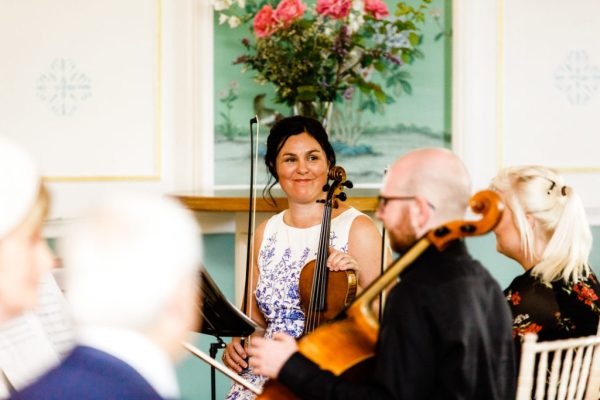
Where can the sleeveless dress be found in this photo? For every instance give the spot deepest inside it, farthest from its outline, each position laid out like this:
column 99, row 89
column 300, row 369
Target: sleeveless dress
column 283, row 252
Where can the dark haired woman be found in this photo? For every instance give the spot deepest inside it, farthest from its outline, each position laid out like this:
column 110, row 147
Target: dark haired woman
column 298, row 157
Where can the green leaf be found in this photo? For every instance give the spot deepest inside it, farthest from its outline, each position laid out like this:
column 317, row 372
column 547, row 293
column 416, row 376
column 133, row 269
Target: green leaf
column 414, row 39
column 379, row 95
column 371, row 106
column 406, row 86
column 438, row 36
column 379, row 66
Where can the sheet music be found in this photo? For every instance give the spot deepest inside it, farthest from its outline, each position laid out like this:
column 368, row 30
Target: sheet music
column 35, row 342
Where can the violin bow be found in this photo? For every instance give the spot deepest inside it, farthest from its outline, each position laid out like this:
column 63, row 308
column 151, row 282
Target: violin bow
column 251, row 212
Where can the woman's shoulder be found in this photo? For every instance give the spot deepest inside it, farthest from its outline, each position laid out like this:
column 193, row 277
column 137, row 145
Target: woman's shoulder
column 348, row 214
column 524, row 282
column 528, row 291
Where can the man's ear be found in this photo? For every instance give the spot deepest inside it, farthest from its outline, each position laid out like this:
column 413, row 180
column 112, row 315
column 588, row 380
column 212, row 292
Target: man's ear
column 423, row 211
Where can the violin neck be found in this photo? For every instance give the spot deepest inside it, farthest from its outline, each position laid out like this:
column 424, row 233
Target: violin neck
column 319, row 287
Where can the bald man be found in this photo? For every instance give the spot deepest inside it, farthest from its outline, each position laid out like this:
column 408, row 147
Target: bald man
column 446, row 329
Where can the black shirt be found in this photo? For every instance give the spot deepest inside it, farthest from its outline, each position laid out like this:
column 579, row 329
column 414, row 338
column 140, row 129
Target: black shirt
column 445, row 333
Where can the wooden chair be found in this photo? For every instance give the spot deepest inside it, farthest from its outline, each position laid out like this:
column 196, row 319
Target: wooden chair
column 574, row 371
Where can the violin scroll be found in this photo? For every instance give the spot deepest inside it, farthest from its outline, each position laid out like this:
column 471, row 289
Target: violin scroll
column 337, row 173
column 487, row 203
column 335, row 190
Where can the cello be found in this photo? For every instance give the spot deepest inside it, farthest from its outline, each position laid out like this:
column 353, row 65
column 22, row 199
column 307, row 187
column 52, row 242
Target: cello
column 324, row 293
column 356, row 328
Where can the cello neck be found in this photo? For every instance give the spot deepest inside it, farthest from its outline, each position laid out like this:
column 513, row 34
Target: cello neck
column 486, row 202
column 363, row 304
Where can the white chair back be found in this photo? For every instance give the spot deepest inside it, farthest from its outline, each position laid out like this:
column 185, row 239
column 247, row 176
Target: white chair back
column 574, row 371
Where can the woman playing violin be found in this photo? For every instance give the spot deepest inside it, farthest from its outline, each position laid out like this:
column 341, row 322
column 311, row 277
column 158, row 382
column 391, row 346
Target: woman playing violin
column 298, row 157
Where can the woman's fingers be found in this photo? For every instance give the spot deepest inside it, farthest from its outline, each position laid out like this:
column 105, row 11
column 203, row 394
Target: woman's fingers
column 269, row 355
column 234, row 356
column 340, row 261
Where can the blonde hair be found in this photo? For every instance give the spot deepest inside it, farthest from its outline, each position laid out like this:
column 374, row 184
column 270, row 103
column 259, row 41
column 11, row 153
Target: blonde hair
column 541, row 193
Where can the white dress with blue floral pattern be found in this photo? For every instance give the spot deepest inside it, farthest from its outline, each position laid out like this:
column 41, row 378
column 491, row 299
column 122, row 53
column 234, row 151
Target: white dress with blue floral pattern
column 283, row 252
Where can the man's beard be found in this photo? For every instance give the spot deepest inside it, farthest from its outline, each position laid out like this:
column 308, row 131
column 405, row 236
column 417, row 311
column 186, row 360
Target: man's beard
column 404, row 241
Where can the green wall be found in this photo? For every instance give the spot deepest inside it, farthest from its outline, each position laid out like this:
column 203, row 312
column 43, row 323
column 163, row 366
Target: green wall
column 194, row 375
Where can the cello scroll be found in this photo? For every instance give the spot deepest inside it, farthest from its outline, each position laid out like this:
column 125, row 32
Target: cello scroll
column 487, row 203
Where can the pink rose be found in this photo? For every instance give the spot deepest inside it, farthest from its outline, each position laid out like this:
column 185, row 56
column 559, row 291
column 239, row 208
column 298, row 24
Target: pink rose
column 264, row 23
column 376, row 8
column 337, row 9
column 289, row 10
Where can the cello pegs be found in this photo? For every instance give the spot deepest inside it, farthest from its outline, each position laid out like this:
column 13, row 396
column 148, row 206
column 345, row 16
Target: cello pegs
column 342, row 196
column 325, row 187
column 349, row 184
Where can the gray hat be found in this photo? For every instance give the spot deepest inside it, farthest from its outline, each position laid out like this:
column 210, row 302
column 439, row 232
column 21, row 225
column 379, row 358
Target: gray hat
column 19, row 185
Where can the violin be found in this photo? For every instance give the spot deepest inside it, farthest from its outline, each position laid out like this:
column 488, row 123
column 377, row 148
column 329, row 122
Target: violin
column 348, row 342
column 324, row 293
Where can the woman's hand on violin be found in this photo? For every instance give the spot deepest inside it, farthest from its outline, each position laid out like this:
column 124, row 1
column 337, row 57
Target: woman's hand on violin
column 340, row 261
column 267, row 357
column 234, row 355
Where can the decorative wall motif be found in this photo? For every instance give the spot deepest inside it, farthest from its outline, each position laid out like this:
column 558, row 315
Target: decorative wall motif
column 63, row 87
column 85, row 100
column 549, row 80
column 578, row 77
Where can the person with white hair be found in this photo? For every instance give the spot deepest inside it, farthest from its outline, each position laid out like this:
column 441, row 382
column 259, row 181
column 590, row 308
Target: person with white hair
column 544, row 228
column 132, row 269
column 24, row 254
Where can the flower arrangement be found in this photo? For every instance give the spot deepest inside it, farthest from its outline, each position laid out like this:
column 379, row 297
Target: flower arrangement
column 326, row 51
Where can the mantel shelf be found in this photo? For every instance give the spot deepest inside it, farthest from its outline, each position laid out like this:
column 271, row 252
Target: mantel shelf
column 364, row 200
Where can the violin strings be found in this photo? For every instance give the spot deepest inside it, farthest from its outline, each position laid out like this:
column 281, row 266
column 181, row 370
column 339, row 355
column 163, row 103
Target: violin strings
column 318, row 289
column 323, row 266
column 314, row 299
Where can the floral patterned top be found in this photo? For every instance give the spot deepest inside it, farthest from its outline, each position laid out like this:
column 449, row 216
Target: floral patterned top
column 283, row 252
column 556, row 311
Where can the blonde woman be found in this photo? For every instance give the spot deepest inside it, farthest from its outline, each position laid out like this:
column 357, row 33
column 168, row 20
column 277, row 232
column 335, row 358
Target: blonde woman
column 544, row 228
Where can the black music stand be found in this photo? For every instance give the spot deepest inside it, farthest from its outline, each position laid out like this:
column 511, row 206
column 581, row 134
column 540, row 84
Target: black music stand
column 220, row 318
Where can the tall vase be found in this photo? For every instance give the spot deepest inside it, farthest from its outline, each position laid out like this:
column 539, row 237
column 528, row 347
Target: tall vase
column 319, row 110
